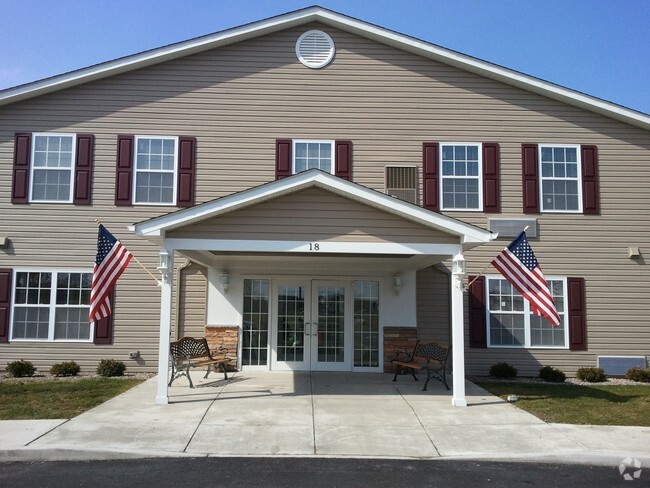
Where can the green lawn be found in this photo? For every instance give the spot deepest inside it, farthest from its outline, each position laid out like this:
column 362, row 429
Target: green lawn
column 577, row 404
column 57, row 399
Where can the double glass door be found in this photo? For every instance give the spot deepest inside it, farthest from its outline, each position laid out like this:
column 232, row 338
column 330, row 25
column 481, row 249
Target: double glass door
column 311, row 326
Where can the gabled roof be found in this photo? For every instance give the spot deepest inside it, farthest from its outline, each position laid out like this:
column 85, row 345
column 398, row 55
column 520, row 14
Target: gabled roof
column 469, row 235
column 344, row 23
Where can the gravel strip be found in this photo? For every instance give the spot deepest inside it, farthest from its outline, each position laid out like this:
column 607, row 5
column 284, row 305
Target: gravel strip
column 48, row 377
column 569, row 381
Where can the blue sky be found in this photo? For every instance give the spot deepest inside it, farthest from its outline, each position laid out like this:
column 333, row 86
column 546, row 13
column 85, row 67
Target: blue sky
column 600, row 47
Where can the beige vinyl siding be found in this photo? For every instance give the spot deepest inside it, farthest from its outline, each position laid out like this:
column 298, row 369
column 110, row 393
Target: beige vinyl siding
column 192, row 293
column 238, row 99
column 433, row 304
column 313, row 214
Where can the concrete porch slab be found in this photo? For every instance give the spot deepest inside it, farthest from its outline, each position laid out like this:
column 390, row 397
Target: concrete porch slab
column 314, row 414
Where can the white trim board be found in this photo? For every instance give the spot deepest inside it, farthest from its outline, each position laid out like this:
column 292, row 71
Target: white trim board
column 312, row 248
column 338, row 21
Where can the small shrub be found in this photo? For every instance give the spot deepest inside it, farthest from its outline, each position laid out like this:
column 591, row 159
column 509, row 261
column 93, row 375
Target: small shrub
column 21, row 368
column 591, row 375
column 503, row 371
column 638, row 374
column 111, row 367
column 552, row 375
column 66, row 368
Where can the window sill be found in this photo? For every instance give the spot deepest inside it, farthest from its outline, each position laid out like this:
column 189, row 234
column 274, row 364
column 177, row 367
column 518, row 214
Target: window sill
column 57, row 341
column 146, row 204
column 461, row 210
column 50, row 202
column 529, row 348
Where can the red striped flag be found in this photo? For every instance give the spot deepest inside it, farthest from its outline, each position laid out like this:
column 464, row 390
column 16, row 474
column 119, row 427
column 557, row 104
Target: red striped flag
column 518, row 264
column 111, row 261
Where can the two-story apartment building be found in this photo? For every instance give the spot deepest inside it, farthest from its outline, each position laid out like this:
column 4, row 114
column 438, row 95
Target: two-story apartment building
column 309, row 179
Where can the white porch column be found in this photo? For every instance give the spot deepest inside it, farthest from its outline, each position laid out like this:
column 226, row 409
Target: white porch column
column 166, row 270
column 458, row 332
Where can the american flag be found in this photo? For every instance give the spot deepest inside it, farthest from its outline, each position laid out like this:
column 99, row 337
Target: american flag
column 111, row 261
column 518, row 264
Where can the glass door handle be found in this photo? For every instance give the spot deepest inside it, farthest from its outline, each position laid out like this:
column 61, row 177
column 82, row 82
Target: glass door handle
column 315, row 329
column 307, row 330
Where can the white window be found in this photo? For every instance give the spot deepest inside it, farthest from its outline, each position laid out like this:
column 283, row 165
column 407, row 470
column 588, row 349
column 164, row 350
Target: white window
column 51, row 306
column 52, row 168
column 511, row 322
column 460, row 181
column 156, row 160
column 255, row 328
column 560, row 178
column 366, row 324
column 313, row 154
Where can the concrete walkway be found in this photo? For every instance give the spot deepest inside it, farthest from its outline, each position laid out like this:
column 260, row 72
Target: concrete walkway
column 317, row 414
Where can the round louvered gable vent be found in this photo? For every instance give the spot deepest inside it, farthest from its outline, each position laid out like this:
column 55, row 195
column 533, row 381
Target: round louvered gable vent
column 315, row 49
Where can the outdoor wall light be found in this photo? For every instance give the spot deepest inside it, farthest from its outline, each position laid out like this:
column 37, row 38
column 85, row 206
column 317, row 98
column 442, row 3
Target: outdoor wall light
column 458, row 266
column 397, row 283
column 165, row 261
column 225, row 280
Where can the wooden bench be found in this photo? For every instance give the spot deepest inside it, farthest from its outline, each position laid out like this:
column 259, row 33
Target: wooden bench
column 190, row 352
column 430, row 356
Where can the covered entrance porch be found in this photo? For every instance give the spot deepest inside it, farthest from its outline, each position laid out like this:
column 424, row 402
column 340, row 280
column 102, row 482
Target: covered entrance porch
column 309, row 271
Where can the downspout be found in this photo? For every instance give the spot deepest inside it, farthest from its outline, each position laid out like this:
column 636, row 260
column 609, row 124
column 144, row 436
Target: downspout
column 447, row 272
column 177, row 312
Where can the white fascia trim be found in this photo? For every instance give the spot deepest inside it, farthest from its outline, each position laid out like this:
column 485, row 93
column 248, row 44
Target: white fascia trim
column 349, row 24
column 157, row 55
column 487, row 69
column 467, row 233
column 324, row 247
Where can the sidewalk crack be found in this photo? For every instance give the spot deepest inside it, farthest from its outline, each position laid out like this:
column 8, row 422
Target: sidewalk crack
column 419, row 421
column 45, row 433
column 204, row 414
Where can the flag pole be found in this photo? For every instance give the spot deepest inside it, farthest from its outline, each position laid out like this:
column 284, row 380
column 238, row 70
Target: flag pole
column 485, row 269
column 137, row 261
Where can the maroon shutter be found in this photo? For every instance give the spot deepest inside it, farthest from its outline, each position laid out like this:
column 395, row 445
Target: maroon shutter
column 6, row 275
column 430, row 163
column 186, row 171
column 530, row 170
column 590, row 196
column 576, row 314
column 104, row 327
column 124, row 171
column 343, row 162
column 476, row 306
column 283, row 158
column 491, row 185
column 83, row 173
column 22, row 156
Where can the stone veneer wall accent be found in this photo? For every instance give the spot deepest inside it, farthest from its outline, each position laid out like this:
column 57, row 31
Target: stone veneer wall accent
column 223, row 341
column 403, row 338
